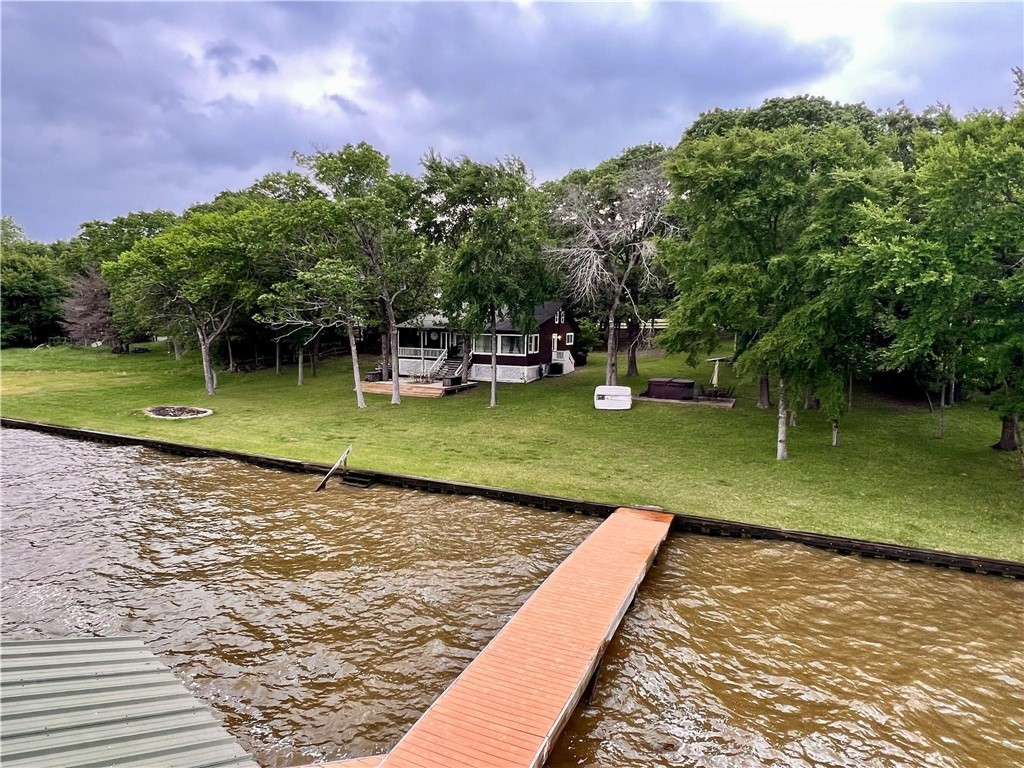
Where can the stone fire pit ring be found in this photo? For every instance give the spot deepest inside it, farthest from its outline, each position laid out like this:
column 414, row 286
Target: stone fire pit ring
column 176, row 412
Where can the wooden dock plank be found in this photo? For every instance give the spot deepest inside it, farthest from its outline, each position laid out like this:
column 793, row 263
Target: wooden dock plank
column 508, row 706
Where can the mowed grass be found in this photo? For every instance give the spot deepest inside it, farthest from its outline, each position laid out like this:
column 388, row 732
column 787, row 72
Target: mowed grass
column 891, row 480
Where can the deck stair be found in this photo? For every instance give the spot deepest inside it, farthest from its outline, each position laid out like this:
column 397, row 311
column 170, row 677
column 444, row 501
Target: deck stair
column 358, row 479
column 451, row 369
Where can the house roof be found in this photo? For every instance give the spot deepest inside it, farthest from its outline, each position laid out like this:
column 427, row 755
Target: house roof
column 541, row 314
column 426, row 321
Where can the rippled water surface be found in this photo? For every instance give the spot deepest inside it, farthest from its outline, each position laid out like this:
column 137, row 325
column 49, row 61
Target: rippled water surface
column 743, row 653
column 322, row 626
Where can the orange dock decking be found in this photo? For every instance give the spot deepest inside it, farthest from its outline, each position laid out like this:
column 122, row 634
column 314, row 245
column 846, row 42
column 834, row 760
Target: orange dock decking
column 509, row 705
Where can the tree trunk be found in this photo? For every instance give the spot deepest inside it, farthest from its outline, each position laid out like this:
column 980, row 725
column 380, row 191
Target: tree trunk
column 835, row 433
column 634, row 341
column 396, row 395
column 952, row 385
column 314, row 359
column 177, row 348
column 611, row 368
column 302, row 349
column 781, row 452
column 277, row 356
column 764, row 394
column 209, row 377
column 849, row 393
column 231, row 357
column 494, row 358
column 385, row 352
column 467, row 354
column 942, row 412
column 792, row 418
column 1008, row 437
column 360, row 401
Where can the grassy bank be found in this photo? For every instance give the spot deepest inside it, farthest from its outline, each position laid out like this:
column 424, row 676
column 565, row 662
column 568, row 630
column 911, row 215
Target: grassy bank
column 891, row 480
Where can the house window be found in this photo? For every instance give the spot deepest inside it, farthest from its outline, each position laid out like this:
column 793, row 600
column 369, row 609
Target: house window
column 482, row 344
column 533, row 343
column 559, row 317
column 511, row 345
column 569, row 339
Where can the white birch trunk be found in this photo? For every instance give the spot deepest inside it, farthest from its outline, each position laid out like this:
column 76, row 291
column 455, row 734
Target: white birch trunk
column 277, row 356
column 209, row 377
column 781, row 453
column 302, row 348
column 611, row 368
column 177, row 348
column 835, row 433
column 494, row 359
column 360, row 401
column 396, row 395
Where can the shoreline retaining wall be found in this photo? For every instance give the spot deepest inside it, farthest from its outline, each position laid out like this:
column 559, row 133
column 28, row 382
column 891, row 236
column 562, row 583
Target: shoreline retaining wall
column 685, row 523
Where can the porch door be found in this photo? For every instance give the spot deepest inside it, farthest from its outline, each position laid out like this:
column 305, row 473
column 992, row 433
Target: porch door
column 554, row 344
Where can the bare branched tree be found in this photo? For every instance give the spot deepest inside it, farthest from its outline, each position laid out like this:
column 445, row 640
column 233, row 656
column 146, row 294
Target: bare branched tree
column 88, row 316
column 610, row 242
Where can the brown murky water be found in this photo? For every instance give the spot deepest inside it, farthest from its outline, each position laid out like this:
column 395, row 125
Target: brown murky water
column 322, row 626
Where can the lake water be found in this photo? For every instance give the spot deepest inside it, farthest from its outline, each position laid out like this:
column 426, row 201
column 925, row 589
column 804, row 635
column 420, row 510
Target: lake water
column 321, row 626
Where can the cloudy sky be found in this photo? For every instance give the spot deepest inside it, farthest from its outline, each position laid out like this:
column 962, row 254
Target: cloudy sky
column 115, row 107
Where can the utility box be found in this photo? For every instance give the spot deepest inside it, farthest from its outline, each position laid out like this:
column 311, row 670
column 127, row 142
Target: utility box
column 608, row 398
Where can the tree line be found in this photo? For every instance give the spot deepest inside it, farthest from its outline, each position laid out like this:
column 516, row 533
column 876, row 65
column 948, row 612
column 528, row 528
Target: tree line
column 832, row 241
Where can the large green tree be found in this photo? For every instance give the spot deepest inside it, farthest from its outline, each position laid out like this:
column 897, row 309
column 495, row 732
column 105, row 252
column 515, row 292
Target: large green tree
column 31, row 288
column 488, row 218
column 811, row 112
column 202, row 271
column 946, row 259
column 379, row 207
column 324, row 286
column 768, row 217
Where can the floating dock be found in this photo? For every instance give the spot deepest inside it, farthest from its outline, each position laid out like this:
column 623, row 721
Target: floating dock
column 509, row 705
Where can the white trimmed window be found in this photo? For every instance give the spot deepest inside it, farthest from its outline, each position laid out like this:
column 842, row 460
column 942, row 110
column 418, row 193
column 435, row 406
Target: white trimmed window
column 569, row 339
column 511, row 345
column 533, row 343
column 482, row 344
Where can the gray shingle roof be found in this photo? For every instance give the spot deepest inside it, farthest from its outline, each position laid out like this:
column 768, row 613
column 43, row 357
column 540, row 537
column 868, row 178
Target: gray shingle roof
column 541, row 313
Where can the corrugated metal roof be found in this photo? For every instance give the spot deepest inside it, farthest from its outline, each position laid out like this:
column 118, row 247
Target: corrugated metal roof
column 103, row 701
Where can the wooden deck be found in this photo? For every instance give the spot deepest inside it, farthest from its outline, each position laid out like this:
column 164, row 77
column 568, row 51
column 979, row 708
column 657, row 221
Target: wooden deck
column 411, row 389
column 509, row 705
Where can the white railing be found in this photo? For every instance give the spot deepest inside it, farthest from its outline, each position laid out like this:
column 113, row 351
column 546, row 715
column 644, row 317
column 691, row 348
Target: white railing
column 428, row 354
column 564, row 357
column 438, row 364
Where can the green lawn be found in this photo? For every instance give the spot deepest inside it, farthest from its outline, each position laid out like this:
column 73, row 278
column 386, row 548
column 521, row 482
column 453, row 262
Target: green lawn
column 891, row 480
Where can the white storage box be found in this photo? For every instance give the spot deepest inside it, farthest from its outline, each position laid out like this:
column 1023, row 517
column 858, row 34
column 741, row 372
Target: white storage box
column 613, row 398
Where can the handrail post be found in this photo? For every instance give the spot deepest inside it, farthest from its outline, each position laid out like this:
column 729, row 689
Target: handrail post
column 341, row 461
